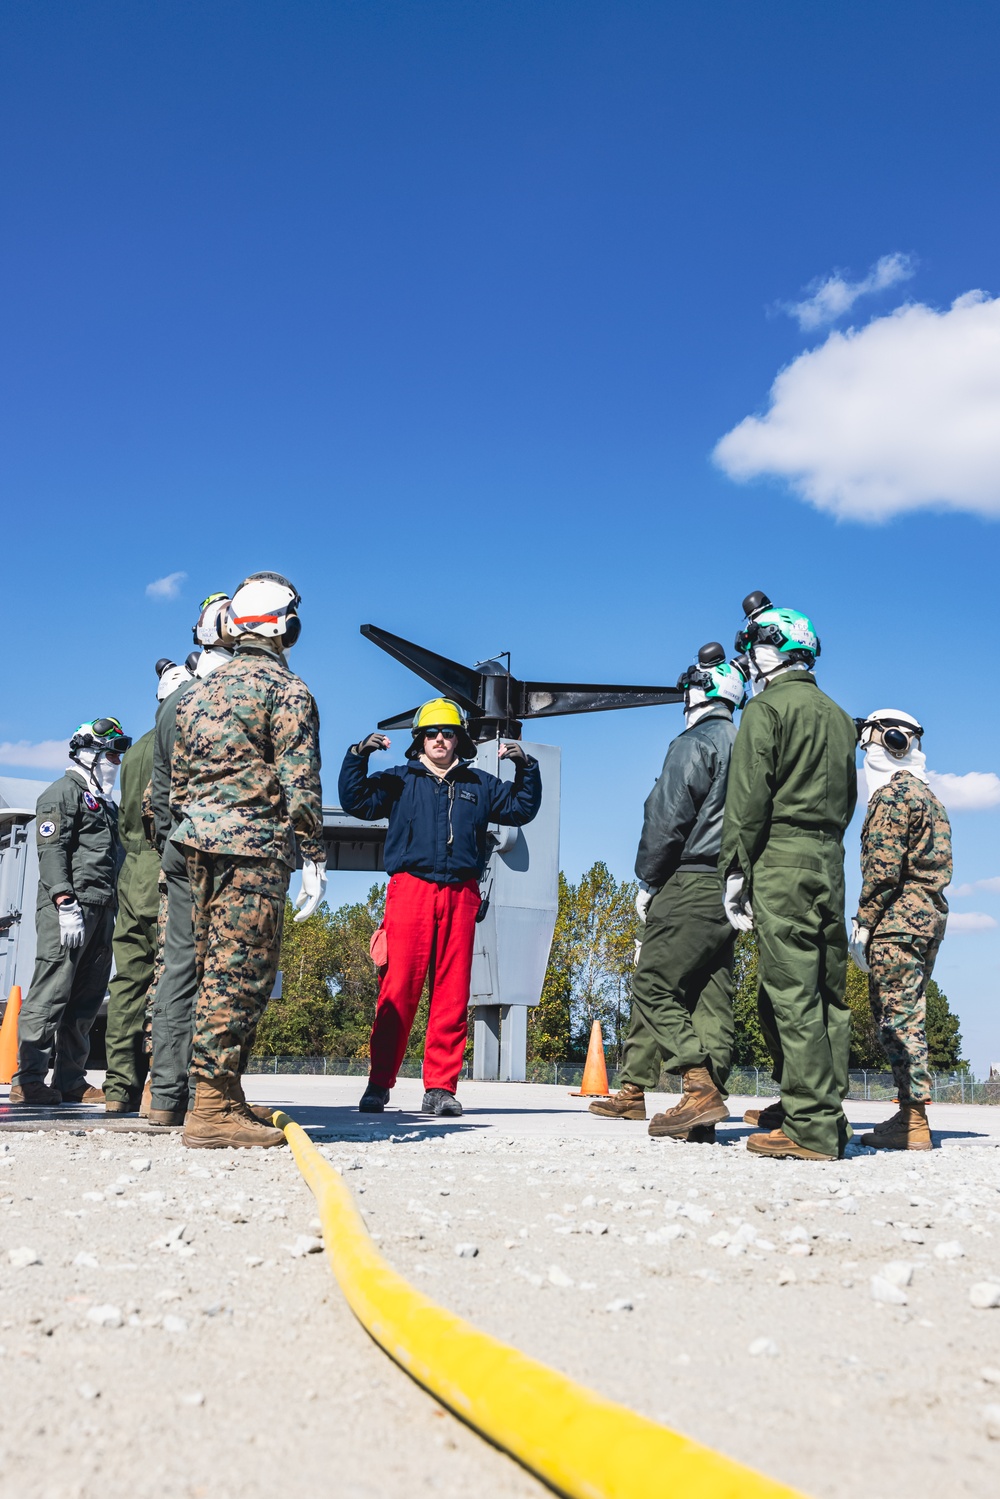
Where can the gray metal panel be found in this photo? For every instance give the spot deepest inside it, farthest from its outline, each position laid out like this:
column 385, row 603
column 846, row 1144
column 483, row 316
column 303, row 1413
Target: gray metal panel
column 522, row 883
column 18, row 882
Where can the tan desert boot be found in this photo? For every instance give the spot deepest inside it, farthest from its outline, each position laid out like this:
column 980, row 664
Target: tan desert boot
column 85, row 1095
column 628, row 1103
column 217, row 1121
column 907, row 1130
column 701, row 1104
column 146, row 1101
column 777, row 1145
column 771, row 1116
column 262, row 1112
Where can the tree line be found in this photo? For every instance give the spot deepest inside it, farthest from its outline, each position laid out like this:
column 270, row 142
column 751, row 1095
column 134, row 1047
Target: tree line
column 329, row 986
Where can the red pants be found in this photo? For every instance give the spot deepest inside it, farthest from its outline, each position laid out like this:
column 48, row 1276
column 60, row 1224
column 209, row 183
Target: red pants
column 428, row 928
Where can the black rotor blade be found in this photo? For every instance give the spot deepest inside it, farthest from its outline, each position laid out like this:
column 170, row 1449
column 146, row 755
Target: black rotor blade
column 399, row 721
column 549, row 699
column 449, row 677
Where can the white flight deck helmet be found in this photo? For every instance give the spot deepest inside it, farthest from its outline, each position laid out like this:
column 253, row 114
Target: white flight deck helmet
column 265, row 604
column 713, row 679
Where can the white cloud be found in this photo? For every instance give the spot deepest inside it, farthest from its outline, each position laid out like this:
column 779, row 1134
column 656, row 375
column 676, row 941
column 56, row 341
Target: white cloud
column 899, row 415
column 164, row 589
column 974, row 792
column 992, row 885
column 970, row 921
column 50, row 754
column 831, row 298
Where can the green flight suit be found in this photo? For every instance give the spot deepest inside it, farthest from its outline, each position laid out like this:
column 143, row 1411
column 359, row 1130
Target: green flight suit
column 134, row 943
column 76, row 834
column 792, row 791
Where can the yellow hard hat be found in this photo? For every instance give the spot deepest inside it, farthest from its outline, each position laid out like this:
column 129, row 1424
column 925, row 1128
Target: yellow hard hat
column 441, row 713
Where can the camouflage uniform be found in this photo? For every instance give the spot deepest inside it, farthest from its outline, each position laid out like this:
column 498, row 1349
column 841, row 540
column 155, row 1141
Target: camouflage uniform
column 244, row 784
column 161, row 932
column 905, row 865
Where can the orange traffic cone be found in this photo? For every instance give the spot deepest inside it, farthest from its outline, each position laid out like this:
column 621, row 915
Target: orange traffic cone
column 595, row 1072
column 8, row 1035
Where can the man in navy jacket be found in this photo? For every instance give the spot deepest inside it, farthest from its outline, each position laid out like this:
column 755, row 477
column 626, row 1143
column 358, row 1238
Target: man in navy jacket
column 436, row 849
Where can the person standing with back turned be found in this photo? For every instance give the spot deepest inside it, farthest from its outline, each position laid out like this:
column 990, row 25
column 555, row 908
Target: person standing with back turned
column 902, row 913
column 682, row 987
column 244, row 787
column 792, row 790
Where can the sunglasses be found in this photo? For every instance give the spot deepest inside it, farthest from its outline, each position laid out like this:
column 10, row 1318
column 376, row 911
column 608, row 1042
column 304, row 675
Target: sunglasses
column 444, row 733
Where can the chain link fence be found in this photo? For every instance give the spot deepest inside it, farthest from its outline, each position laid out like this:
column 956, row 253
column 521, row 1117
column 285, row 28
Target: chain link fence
column 753, row 1082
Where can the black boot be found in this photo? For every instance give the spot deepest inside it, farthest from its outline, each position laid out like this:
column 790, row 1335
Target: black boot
column 373, row 1100
column 440, row 1101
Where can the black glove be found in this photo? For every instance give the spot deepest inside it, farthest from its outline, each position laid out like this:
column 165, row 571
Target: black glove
column 515, row 753
column 369, row 745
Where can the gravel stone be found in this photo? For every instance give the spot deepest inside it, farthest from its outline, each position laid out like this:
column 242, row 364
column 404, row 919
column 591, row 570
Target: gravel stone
column 467, row 1251
column 886, row 1291
column 984, row 1294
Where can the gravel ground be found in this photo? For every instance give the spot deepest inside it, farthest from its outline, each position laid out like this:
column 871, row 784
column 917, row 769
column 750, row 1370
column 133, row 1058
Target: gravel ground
column 815, row 1321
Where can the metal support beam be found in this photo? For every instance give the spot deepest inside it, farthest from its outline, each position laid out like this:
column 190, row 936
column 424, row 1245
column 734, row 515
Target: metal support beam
column 486, row 1043
column 513, row 1043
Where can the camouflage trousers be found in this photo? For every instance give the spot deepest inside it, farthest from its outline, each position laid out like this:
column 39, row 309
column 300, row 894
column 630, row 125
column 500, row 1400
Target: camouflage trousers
column 239, row 905
column 897, row 985
column 161, row 932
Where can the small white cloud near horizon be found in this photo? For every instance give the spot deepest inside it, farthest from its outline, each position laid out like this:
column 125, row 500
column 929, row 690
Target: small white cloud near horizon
column 50, row 754
column 902, row 414
column 833, row 296
column 976, row 791
column 992, row 885
column 165, row 589
column 970, row 921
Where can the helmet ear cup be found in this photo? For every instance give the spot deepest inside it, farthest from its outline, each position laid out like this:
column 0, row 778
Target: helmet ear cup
column 292, row 631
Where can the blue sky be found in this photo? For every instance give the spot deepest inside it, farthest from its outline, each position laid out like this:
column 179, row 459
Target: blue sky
column 442, row 309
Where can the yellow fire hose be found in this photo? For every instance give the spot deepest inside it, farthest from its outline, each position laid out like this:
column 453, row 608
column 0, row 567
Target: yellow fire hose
column 580, row 1444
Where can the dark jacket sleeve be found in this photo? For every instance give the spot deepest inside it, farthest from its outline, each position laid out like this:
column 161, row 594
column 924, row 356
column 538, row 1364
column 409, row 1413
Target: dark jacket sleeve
column 513, row 803
column 671, row 810
column 365, row 796
column 58, row 805
column 163, row 752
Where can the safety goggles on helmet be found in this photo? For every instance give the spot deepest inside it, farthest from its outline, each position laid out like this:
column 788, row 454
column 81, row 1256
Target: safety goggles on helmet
column 894, row 731
column 720, row 680
column 787, row 630
column 104, row 734
column 211, row 619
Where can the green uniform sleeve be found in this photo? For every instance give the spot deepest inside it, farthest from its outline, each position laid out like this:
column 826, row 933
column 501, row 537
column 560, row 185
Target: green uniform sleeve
column 56, row 819
column 295, row 736
column 672, row 808
column 884, row 844
column 750, row 791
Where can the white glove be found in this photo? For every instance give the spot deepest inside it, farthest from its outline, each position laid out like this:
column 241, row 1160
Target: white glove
column 638, row 950
column 857, row 945
column 739, row 912
column 643, row 901
column 313, row 889
column 71, row 925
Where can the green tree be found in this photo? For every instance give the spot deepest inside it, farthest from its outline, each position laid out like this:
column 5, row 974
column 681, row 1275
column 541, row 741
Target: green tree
column 590, row 966
column 944, row 1039
column 329, row 984
column 750, row 1048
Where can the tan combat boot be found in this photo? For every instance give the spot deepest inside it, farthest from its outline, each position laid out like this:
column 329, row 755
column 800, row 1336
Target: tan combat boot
column 34, row 1093
column 262, row 1112
column 85, row 1095
column 217, row 1121
column 701, row 1104
column 628, row 1103
column 777, row 1145
column 771, row 1116
column 146, row 1101
column 907, row 1130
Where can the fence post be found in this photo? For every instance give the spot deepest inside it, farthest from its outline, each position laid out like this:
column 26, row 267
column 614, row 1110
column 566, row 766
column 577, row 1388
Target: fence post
column 555, row 1074
column 864, row 1082
column 275, row 1064
column 961, row 1084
